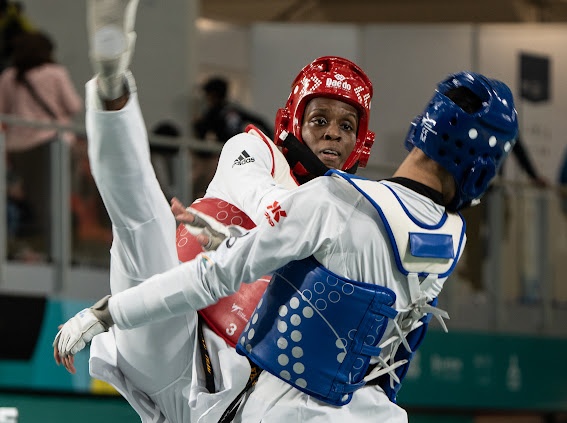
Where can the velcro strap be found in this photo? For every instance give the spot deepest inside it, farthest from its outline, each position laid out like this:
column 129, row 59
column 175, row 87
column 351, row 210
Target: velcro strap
column 426, row 245
column 348, row 388
column 371, row 350
column 386, row 310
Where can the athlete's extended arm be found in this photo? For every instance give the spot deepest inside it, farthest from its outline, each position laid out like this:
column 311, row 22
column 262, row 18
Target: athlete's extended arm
column 294, row 228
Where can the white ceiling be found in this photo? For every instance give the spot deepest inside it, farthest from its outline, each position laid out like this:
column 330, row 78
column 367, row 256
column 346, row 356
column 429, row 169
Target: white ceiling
column 385, row 11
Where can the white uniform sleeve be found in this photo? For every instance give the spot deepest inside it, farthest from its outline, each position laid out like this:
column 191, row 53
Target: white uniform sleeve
column 143, row 225
column 244, row 175
column 297, row 229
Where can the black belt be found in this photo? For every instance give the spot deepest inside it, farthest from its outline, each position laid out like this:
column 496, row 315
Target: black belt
column 206, row 359
column 255, row 370
column 230, row 412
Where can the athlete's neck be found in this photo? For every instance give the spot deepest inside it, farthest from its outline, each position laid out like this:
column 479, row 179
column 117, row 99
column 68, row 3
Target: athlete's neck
column 420, row 168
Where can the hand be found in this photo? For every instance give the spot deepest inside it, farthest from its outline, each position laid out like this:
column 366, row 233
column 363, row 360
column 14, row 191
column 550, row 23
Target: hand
column 74, row 335
column 112, row 39
column 209, row 232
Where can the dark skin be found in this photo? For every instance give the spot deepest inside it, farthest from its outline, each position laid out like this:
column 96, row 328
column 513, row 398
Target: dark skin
column 118, row 103
column 329, row 130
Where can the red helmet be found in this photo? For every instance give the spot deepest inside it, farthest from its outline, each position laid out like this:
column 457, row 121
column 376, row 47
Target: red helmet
column 337, row 78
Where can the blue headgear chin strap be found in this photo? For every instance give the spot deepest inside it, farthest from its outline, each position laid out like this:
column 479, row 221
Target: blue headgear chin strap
column 470, row 146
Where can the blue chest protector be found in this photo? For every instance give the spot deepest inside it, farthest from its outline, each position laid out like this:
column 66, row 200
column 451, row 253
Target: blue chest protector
column 318, row 331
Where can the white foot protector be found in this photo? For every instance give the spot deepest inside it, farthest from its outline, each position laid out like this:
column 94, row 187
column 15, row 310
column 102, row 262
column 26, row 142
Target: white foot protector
column 112, row 39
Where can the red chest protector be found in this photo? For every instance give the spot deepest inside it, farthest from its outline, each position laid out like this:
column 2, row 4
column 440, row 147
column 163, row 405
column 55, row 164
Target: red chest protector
column 229, row 315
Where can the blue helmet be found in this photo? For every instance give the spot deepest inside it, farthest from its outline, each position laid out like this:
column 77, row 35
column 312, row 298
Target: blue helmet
column 470, row 146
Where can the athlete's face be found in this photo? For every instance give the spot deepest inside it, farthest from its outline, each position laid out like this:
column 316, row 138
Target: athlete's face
column 329, row 129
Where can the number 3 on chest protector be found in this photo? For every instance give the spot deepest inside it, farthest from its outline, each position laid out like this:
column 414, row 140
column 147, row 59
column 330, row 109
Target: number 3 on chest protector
column 231, row 329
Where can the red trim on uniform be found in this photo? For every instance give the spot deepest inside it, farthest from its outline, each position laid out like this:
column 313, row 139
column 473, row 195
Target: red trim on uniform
column 267, row 141
column 271, row 146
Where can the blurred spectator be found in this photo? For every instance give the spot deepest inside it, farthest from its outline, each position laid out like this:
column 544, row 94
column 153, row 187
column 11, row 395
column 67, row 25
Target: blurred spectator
column 526, row 164
column 471, row 264
column 219, row 121
column 222, row 119
column 36, row 88
column 20, row 218
column 91, row 224
column 13, row 23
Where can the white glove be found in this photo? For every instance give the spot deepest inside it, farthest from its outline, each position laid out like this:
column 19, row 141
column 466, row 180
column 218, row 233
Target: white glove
column 78, row 331
column 112, row 39
column 208, row 226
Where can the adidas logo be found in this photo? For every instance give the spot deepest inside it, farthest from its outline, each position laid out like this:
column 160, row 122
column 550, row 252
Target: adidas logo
column 243, row 159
